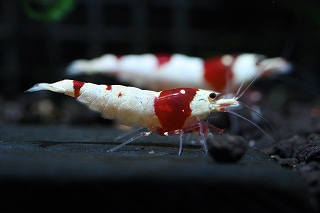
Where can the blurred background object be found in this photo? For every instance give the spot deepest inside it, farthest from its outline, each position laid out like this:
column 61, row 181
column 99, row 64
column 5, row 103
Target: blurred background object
column 47, row 10
column 37, row 48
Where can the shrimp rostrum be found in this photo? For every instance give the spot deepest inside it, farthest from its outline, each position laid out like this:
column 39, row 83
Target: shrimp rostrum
column 168, row 112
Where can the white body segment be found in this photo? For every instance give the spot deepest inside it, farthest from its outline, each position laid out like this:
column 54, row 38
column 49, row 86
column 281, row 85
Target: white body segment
column 108, row 63
column 180, row 71
column 136, row 68
column 133, row 108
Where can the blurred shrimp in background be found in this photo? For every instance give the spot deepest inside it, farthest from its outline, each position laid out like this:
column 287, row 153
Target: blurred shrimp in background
column 41, row 39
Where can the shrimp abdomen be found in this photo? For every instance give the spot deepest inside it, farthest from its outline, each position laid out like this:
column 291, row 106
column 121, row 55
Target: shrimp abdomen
column 127, row 105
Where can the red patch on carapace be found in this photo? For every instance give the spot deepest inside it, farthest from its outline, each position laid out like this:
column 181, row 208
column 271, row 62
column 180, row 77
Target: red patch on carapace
column 108, row 87
column 120, row 95
column 217, row 74
column 76, row 88
column 163, row 58
column 172, row 108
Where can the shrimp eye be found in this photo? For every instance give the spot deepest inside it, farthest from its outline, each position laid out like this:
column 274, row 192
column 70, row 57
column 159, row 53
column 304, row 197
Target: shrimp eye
column 213, row 95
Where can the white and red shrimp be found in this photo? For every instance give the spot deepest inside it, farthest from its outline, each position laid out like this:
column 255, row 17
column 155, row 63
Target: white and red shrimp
column 164, row 71
column 168, row 112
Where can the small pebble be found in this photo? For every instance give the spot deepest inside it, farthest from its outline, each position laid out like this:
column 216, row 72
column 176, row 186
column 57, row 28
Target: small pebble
column 226, row 148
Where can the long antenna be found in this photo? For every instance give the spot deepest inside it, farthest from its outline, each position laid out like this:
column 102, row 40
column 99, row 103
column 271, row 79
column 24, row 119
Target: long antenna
column 255, row 78
column 228, row 73
column 239, row 89
column 246, row 119
column 261, row 117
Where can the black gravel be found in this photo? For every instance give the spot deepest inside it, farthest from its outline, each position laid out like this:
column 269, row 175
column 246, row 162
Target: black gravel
column 226, row 148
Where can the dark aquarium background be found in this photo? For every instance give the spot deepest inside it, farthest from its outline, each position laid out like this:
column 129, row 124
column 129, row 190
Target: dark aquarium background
column 38, row 39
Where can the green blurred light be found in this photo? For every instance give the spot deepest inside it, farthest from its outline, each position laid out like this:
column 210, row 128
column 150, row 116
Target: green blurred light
column 47, row 10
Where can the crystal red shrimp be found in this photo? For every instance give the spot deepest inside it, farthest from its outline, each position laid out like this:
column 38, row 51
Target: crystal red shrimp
column 164, row 71
column 168, row 112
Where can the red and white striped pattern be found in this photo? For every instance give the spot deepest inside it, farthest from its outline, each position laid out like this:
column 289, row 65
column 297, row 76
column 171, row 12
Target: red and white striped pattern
column 167, row 112
column 164, row 71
